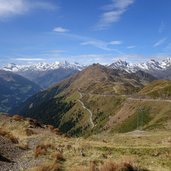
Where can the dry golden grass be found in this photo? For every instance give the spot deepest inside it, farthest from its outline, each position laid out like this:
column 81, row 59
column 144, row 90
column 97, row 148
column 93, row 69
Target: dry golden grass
column 29, row 132
column 59, row 157
column 51, row 127
column 23, row 146
column 54, row 165
column 42, row 149
column 47, row 167
column 17, row 118
column 56, row 131
column 9, row 136
column 54, row 152
column 2, row 132
column 110, row 166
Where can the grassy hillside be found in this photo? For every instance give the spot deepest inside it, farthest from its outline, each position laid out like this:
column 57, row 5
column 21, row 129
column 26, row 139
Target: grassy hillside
column 122, row 114
column 157, row 89
column 145, row 115
column 109, row 113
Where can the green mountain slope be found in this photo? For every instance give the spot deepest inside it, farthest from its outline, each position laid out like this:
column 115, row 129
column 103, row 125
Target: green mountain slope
column 84, row 103
column 14, row 89
column 157, row 89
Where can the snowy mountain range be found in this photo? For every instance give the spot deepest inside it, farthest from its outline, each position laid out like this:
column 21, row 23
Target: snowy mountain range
column 42, row 66
column 148, row 66
column 119, row 64
column 160, row 69
column 47, row 74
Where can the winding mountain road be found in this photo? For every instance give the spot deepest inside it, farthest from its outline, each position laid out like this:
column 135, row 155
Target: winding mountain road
column 128, row 98
column 89, row 111
column 149, row 100
column 134, row 98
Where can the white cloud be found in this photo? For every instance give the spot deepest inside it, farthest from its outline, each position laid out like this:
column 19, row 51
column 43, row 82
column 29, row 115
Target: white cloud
column 9, row 8
column 29, row 59
column 115, row 42
column 113, row 12
column 131, row 47
column 60, row 30
column 122, row 4
column 102, row 44
column 98, row 43
column 160, row 42
column 85, row 41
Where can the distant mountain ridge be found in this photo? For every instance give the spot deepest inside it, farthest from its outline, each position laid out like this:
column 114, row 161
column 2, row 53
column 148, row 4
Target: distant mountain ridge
column 45, row 74
column 42, row 66
column 14, row 89
column 151, row 64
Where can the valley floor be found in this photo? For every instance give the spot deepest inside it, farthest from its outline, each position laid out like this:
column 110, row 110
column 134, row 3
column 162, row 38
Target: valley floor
column 43, row 147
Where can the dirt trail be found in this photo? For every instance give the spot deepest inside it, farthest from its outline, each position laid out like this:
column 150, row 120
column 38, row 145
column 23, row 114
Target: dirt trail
column 89, row 111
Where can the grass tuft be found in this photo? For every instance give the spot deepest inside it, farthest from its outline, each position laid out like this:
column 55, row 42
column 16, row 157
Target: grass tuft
column 8, row 135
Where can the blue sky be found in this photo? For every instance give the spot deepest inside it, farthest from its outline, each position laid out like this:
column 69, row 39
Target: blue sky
column 85, row 31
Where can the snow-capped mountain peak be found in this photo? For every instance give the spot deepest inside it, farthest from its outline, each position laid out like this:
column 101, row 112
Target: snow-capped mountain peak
column 11, row 67
column 120, row 63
